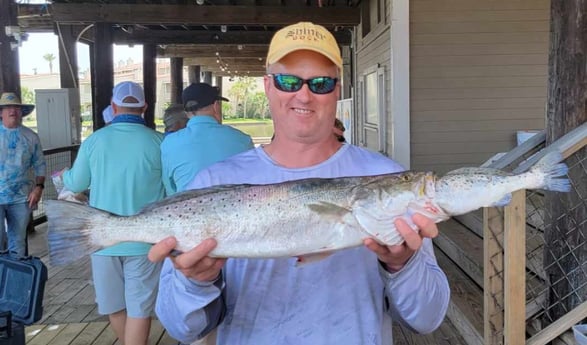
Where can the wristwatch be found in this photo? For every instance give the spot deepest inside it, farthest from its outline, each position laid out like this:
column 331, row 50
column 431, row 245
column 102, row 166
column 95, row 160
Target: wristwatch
column 40, row 185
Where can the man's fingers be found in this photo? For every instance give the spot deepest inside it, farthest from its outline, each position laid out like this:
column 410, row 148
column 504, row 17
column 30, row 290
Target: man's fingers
column 207, row 269
column 196, row 254
column 427, row 226
column 162, row 249
column 411, row 237
column 375, row 247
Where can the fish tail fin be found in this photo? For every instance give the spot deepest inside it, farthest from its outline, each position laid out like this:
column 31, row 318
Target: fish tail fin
column 69, row 230
column 551, row 167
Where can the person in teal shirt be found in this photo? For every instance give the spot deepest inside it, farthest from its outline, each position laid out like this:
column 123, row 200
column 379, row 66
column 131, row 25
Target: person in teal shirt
column 121, row 166
column 204, row 141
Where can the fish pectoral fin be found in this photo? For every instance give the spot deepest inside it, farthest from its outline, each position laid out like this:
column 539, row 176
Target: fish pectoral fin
column 503, row 201
column 310, row 258
column 329, row 210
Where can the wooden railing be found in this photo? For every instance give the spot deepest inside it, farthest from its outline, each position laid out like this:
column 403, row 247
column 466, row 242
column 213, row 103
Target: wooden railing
column 505, row 266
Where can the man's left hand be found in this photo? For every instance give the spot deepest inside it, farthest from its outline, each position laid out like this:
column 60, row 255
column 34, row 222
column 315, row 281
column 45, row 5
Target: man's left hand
column 395, row 257
column 35, row 197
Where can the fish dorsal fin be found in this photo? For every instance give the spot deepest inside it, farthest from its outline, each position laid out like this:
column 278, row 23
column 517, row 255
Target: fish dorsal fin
column 478, row 171
column 190, row 194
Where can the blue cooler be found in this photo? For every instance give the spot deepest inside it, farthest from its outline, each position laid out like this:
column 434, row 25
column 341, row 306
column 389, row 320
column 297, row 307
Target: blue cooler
column 22, row 284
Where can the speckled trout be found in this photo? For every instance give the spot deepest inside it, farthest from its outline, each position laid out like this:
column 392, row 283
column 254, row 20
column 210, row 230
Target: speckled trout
column 296, row 218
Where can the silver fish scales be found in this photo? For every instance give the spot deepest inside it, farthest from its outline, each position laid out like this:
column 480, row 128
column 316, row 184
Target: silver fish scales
column 295, row 218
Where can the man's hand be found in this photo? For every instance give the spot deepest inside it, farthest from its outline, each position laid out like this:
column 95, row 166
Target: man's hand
column 34, row 197
column 395, row 257
column 195, row 263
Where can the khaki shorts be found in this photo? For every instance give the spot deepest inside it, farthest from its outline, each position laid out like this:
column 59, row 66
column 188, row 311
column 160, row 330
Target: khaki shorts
column 125, row 282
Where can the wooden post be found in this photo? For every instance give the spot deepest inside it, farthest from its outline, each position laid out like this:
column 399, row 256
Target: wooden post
column 176, row 71
column 567, row 109
column 102, row 71
column 515, row 269
column 194, row 74
column 493, row 284
column 150, row 82
column 68, row 70
column 347, row 72
column 207, row 77
column 9, row 66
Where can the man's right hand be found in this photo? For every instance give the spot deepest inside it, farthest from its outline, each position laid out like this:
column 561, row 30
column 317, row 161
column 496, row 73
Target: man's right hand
column 195, row 263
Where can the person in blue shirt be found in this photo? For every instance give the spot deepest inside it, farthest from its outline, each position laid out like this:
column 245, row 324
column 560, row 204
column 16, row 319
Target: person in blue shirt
column 347, row 298
column 204, row 141
column 20, row 152
column 121, row 166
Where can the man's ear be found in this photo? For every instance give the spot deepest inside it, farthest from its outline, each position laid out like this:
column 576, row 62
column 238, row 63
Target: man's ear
column 217, row 113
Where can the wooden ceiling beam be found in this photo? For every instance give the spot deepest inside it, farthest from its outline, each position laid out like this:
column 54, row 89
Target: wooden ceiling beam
column 139, row 36
column 211, row 61
column 249, row 73
column 193, row 37
column 147, row 14
column 225, row 51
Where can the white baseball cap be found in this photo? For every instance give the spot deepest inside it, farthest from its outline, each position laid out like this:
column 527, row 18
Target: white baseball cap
column 128, row 89
column 108, row 114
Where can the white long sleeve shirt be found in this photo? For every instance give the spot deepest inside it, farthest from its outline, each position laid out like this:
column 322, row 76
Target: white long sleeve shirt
column 347, row 298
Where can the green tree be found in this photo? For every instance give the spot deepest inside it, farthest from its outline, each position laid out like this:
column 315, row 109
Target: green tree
column 27, row 95
column 226, row 110
column 258, row 105
column 49, row 58
column 239, row 91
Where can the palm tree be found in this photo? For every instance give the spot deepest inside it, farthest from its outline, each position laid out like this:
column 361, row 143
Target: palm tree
column 49, row 58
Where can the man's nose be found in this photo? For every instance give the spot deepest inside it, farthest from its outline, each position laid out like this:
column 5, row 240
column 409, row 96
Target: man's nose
column 304, row 94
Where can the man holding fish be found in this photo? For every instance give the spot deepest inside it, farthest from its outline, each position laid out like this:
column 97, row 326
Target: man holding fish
column 347, row 297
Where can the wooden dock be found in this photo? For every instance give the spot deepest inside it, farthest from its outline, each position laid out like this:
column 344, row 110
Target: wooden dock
column 70, row 315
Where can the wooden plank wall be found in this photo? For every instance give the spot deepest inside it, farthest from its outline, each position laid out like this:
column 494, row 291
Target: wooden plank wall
column 372, row 50
column 478, row 74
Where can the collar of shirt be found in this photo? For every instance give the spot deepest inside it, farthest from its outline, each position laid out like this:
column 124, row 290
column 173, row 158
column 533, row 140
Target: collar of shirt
column 202, row 119
column 128, row 118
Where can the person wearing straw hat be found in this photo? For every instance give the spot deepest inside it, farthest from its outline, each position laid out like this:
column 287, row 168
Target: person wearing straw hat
column 345, row 298
column 20, row 152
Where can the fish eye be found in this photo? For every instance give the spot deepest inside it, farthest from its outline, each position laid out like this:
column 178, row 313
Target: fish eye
column 406, row 178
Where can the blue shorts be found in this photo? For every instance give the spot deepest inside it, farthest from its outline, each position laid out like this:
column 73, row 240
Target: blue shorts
column 125, row 282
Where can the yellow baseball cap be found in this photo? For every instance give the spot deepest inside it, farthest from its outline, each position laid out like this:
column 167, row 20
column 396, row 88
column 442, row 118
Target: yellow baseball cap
column 304, row 36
